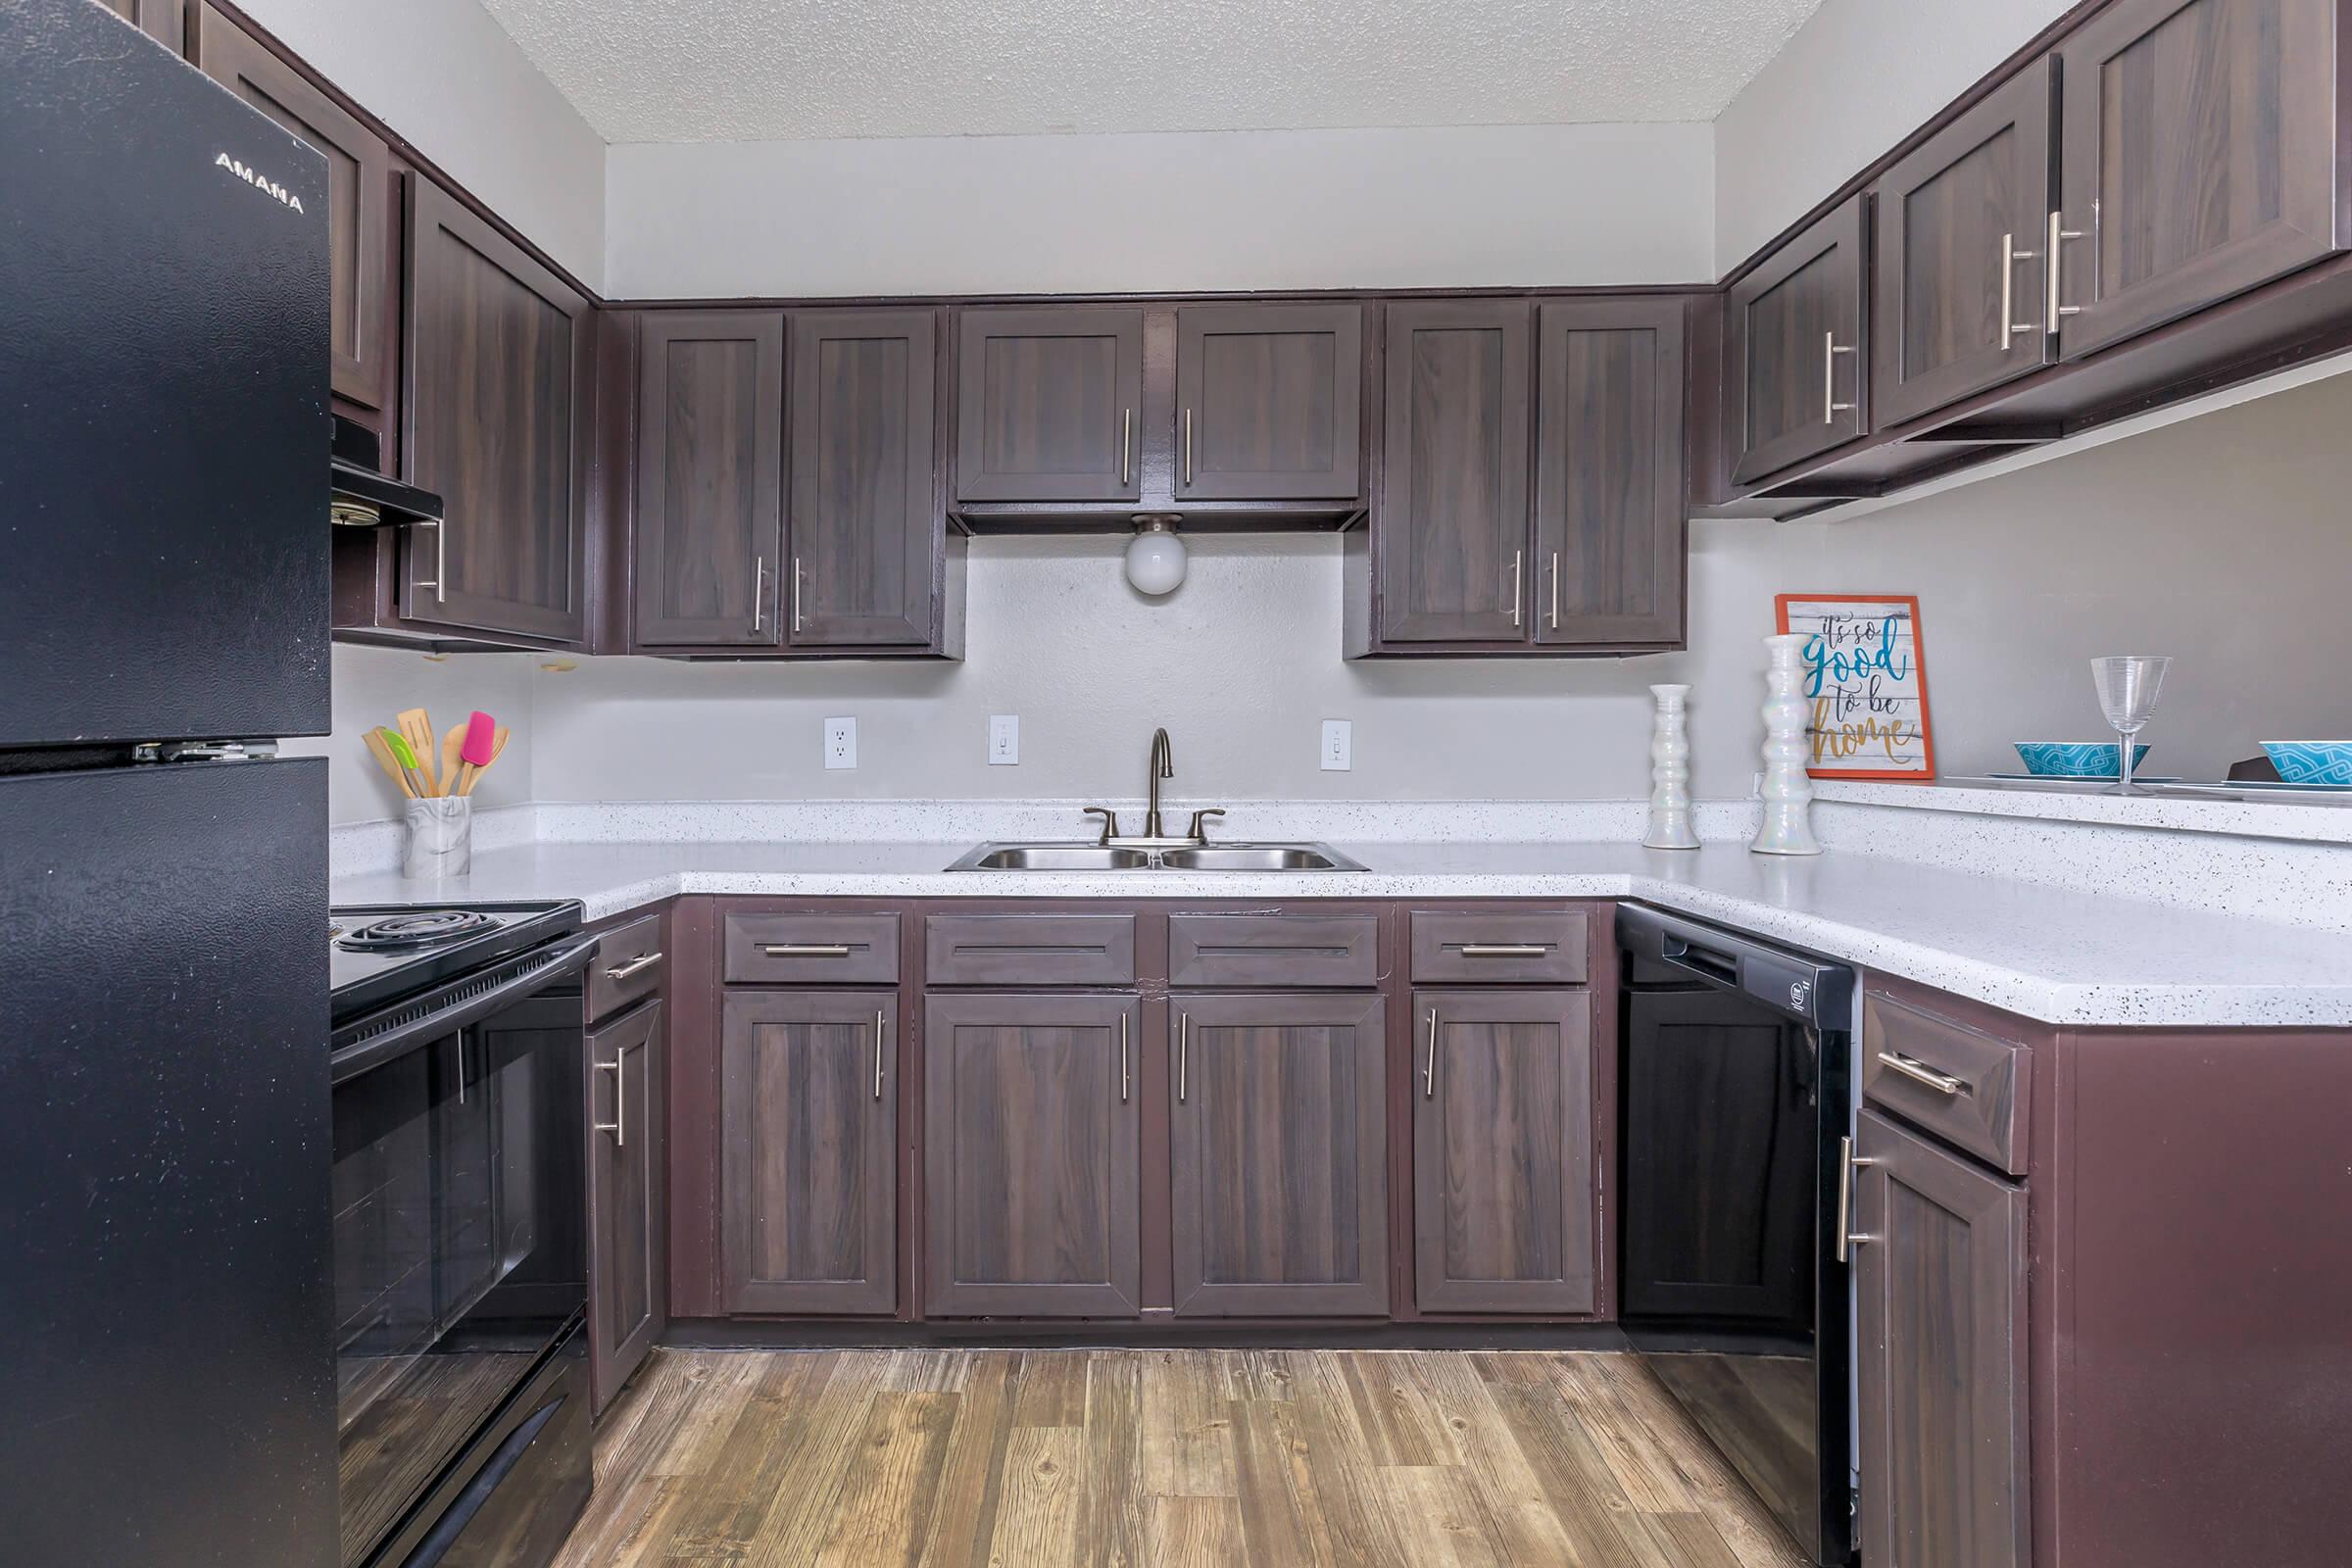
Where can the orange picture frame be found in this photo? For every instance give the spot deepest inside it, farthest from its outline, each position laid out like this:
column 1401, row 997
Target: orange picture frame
column 1868, row 703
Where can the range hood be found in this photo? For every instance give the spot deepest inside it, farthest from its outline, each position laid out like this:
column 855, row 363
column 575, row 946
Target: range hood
column 363, row 497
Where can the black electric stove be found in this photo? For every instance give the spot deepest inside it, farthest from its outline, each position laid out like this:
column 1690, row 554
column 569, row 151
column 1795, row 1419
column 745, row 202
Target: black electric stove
column 381, row 953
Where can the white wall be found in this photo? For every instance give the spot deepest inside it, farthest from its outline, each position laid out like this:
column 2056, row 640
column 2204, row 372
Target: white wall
column 1858, row 77
column 446, row 76
column 372, row 684
column 1234, row 210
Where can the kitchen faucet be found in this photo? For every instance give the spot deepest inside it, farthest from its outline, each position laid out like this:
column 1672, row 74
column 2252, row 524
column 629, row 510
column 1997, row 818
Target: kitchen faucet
column 1161, row 765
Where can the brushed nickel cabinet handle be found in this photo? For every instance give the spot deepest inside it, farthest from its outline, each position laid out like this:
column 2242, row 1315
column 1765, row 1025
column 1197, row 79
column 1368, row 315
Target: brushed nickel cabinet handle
column 806, row 950
column 2010, row 257
column 758, row 592
column 1428, row 1074
column 643, row 961
column 796, row 593
column 1555, row 590
column 1126, row 441
column 1847, row 1162
column 440, row 557
column 2052, row 270
column 619, row 1124
column 1831, row 408
column 1942, row 1083
column 881, row 1033
column 1184, row 1051
column 1122, row 1058
column 1188, row 446
column 1518, row 559
column 1501, row 949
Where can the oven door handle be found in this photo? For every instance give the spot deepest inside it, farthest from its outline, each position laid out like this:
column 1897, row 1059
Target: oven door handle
column 533, row 972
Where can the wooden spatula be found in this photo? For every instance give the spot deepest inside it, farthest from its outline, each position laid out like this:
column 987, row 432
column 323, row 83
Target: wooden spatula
column 416, row 729
column 452, row 744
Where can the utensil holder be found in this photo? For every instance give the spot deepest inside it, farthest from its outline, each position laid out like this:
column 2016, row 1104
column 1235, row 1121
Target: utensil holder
column 440, row 838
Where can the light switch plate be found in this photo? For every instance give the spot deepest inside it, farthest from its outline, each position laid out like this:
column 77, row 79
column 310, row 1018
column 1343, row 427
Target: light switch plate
column 1339, row 746
column 1003, row 739
column 841, row 743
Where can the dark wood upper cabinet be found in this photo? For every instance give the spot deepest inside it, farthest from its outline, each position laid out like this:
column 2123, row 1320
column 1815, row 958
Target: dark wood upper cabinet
column 1961, row 302
column 1278, row 1110
column 2198, row 154
column 1031, row 1155
column 1049, row 403
column 809, row 1189
column 629, row 1261
column 709, row 541
column 1940, row 1270
column 364, row 319
column 1268, row 401
column 1609, row 494
column 867, row 532
column 498, row 389
column 1503, row 1185
column 164, row 21
column 1795, row 367
column 1453, row 504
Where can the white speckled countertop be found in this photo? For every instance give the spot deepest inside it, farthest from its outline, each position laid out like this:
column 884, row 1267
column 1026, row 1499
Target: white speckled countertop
column 2047, row 951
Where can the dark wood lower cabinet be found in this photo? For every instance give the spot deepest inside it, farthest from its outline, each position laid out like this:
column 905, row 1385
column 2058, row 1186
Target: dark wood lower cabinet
column 808, row 1186
column 1278, row 1200
column 1503, row 1151
column 1939, row 1265
column 627, row 1158
column 1032, row 1170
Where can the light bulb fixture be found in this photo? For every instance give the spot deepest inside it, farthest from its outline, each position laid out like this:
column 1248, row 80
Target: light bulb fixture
column 1156, row 556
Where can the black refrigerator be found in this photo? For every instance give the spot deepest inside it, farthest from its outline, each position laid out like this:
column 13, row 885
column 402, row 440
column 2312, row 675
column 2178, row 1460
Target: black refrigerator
column 167, row 1396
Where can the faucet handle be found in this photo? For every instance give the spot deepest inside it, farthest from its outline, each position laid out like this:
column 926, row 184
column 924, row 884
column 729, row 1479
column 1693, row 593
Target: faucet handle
column 1199, row 831
column 1110, row 822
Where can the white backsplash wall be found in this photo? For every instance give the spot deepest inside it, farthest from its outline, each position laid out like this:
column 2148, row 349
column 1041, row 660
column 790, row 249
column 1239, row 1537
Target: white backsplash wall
column 371, row 684
column 2222, row 541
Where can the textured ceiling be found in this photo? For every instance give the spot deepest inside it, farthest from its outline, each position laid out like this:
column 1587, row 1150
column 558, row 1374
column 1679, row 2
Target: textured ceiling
column 770, row 69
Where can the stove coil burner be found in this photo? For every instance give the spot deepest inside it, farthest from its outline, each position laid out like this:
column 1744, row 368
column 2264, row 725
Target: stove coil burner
column 420, row 930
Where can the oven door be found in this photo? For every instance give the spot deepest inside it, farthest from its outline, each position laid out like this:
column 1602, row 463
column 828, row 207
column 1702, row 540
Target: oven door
column 459, row 1223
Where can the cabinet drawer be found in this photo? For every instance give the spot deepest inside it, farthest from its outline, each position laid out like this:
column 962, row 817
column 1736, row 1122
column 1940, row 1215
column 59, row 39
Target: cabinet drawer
column 1029, row 950
column 627, row 965
column 1285, row 951
column 1967, row 1087
column 830, row 949
column 1500, row 947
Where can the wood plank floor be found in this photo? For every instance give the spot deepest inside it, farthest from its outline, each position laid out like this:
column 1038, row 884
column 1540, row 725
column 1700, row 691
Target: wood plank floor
column 1165, row 1458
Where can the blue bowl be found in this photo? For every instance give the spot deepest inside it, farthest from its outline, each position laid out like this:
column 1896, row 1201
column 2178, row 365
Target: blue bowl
column 2311, row 761
column 2075, row 758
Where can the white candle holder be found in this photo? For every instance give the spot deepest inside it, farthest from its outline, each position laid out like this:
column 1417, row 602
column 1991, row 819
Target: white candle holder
column 1670, row 826
column 1787, row 790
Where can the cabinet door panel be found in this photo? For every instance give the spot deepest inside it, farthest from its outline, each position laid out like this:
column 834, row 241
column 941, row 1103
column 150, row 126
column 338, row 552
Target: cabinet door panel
column 1268, row 401
column 361, row 321
column 498, row 395
column 866, row 534
column 1050, row 404
column 628, row 1258
column 1940, row 1281
column 1030, row 1157
column 709, row 477
column 1452, row 514
column 809, row 1171
column 1950, row 216
column 164, row 21
column 1609, row 513
column 1795, row 371
column 1502, row 1152
column 1280, row 1197
column 2199, row 157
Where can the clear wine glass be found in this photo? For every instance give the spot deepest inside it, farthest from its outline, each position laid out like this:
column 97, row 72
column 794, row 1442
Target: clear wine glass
column 2127, row 685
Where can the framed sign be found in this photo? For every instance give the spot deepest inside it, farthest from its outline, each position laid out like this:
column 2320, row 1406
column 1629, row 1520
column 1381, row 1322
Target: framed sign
column 1866, row 685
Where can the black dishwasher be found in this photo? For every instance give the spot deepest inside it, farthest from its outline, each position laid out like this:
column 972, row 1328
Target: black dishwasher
column 1735, row 1095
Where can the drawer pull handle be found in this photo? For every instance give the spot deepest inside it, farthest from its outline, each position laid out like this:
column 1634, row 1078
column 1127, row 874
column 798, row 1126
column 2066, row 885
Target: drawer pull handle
column 1502, row 950
column 1943, row 1083
column 808, row 949
column 636, row 965
column 881, row 1033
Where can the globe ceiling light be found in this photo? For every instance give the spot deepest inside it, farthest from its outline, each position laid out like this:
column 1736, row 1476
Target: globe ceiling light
column 1156, row 556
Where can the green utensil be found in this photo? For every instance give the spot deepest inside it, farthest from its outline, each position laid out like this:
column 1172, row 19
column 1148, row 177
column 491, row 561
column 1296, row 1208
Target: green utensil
column 403, row 756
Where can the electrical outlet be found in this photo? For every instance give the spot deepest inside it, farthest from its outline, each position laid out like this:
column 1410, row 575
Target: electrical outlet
column 841, row 743
column 1003, row 739
column 1339, row 746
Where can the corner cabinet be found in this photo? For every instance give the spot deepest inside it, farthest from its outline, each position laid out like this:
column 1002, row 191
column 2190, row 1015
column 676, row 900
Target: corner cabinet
column 498, row 407
column 2200, row 152
column 1796, row 368
column 1531, row 495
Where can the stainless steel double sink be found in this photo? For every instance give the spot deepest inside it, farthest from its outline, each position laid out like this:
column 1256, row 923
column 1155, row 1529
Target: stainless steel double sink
column 1182, row 857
